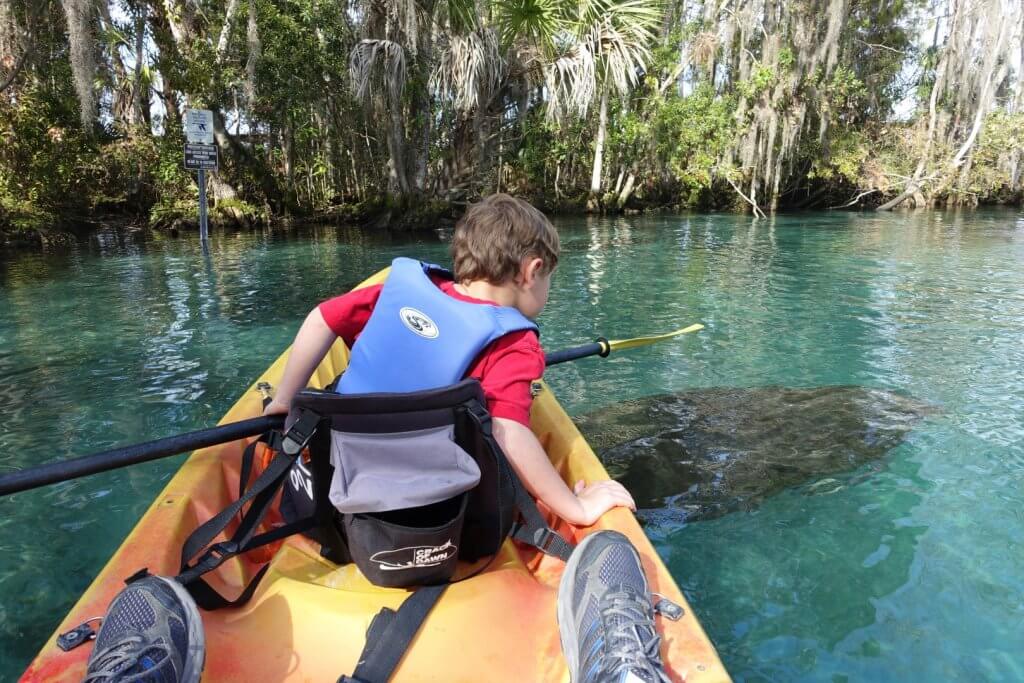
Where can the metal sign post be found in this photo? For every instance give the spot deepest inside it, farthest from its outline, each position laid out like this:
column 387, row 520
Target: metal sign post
column 201, row 158
column 200, row 155
column 204, row 227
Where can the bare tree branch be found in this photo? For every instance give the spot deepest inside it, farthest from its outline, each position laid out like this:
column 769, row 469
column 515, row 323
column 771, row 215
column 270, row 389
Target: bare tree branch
column 879, row 46
column 855, row 199
column 758, row 213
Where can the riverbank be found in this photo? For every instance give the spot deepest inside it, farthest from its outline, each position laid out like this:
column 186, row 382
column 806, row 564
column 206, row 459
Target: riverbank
column 36, row 229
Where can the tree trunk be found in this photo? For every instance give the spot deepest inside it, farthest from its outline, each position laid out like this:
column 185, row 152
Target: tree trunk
column 9, row 42
column 398, row 176
column 140, row 89
column 180, row 28
column 912, row 185
column 255, row 46
column 8, row 29
column 279, row 199
column 423, row 104
column 989, row 84
column 225, row 31
column 627, row 191
column 123, row 107
column 595, row 176
column 287, row 142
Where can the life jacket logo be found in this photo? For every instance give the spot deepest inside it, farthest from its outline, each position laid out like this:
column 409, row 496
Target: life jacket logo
column 418, row 322
column 414, row 557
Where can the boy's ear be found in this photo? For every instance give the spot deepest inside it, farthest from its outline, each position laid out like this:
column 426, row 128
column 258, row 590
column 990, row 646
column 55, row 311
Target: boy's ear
column 530, row 269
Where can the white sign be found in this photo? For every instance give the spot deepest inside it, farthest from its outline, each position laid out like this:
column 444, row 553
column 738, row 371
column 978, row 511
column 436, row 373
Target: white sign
column 199, row 126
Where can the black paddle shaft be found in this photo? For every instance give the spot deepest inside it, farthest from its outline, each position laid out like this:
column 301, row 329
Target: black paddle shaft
column 598, row 348
column 51, row 473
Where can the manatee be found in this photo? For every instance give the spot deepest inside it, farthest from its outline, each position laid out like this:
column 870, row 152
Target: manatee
column 707, row 452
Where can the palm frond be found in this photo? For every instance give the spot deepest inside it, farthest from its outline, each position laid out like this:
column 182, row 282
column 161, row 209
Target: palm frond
column 532, row 21
column 621, row 57
column 638, row 18
column 469, row 70
column 462, row 15
column 571, row 81
column 383, row 58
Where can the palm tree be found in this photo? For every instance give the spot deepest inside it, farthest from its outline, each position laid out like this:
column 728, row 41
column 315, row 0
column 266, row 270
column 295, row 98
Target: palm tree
column 400, row 43
column 591, row 48
column 472, row 53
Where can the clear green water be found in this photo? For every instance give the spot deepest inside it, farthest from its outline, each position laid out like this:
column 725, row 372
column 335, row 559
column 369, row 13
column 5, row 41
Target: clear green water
column 911, row 571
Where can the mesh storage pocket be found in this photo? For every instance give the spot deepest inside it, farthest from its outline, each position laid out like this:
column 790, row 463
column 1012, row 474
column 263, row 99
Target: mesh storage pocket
column 408, row 547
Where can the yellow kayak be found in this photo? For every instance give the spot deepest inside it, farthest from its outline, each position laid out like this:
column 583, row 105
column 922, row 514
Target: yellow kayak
column 308, row 618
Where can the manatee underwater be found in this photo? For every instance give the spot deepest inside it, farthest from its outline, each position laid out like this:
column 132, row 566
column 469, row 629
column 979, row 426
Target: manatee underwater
column 703, row 453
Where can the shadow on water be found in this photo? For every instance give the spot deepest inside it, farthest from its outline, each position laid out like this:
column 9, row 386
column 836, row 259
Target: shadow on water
column 704, row 453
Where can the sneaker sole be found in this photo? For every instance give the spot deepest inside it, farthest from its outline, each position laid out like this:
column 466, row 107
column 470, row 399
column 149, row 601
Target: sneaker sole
column 195, row 660
column 566, row 628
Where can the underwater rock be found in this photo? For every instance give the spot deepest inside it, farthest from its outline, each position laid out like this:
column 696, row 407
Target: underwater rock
column 703, row 453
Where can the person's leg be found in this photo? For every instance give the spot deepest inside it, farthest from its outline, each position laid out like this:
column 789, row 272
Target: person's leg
column 152, row 632
column 605, row 615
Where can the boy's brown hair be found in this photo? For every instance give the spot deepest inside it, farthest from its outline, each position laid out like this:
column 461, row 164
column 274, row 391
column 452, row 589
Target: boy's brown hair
column 496, row 234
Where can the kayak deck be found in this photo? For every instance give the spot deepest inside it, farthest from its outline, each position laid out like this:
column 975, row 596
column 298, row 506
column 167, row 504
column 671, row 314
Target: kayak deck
column 307, row 619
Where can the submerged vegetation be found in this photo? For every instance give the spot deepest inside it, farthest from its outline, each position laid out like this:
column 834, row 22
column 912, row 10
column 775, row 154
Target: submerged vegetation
column 403, row 110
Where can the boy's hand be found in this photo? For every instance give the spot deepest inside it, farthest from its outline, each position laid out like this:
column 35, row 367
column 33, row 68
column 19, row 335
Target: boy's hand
column 276, row 408
column 599, row 498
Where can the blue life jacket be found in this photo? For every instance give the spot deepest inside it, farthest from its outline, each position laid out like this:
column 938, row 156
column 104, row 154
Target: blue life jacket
column 420, row 338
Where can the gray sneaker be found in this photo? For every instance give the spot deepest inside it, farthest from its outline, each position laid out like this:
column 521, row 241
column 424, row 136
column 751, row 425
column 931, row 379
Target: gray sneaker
column 605, row 615
column 152, row 633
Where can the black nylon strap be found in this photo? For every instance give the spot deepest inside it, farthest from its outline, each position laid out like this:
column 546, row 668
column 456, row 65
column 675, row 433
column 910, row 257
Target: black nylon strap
column 261, row 495
column 390, row 635
column 531, row 529
column 248, row 455
column 209, row 599
column 263, row 490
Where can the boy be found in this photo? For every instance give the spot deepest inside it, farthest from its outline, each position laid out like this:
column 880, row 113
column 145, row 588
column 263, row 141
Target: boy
column 504, row 251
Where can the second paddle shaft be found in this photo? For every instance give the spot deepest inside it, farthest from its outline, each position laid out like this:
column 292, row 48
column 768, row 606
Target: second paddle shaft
column 53, row 472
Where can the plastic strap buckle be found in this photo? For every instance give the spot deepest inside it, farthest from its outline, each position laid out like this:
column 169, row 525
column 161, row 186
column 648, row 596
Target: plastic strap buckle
column 545, row 538
column 216, row 555
column 299, row 434
column 481, row 416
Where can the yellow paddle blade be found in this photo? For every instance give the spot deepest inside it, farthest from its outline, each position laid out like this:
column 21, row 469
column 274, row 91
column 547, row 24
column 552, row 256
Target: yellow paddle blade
column 619, row 344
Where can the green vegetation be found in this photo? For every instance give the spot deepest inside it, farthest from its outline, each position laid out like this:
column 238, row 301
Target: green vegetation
column 400, row 112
